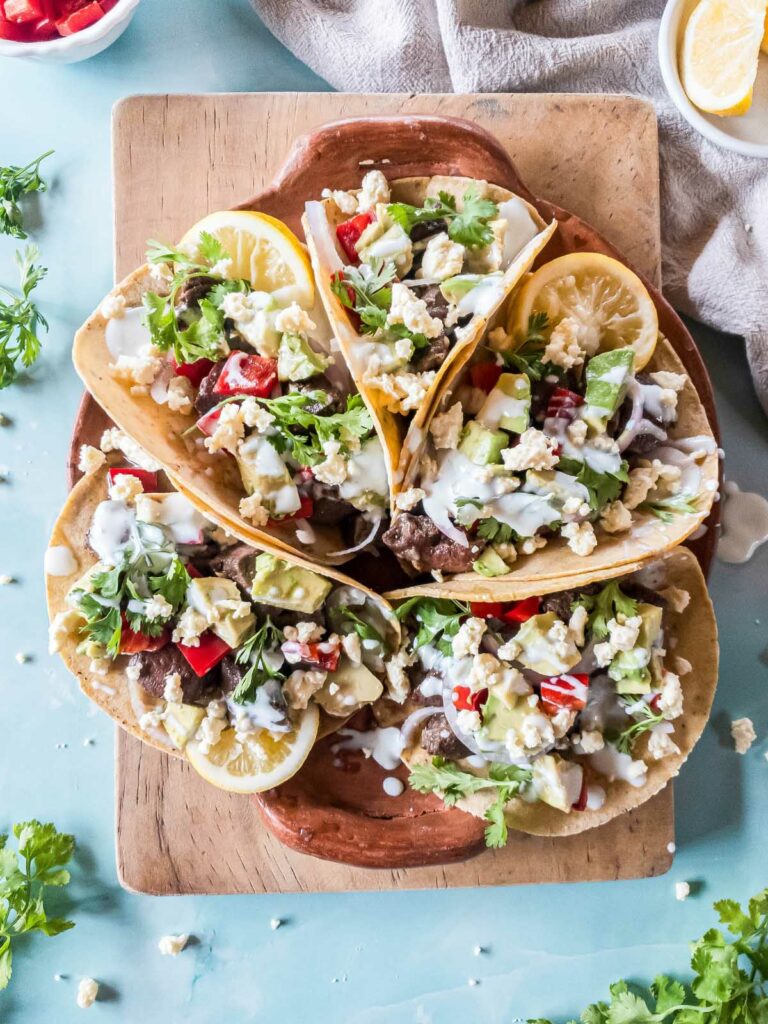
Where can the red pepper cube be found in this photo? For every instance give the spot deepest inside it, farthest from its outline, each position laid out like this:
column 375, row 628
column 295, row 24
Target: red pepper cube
column 207, row 655
column 485, row 376
column 209, row 421
column 465, row 700
column 521, row 611
column 80, row 19
column 563, row 403
column 133, row 642
column 147, row 478
column 349, row 232
column 566, row 691
column 246, row 374
column 20, row 11
column 192, row 572
column 324, row 655
column 486, row 610
column 194, row 372
column 581, row 803
column 305, row 512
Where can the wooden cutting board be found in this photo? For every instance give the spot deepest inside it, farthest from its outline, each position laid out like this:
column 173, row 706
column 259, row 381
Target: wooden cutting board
column 175, row 159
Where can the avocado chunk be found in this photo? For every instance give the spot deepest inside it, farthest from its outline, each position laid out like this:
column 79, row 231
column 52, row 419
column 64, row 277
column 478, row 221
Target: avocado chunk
column 630, row 669
column 508, row 404
column 181, row 722
column 538, row 651
column 557, row 782
column 607, row 377
column 296, row 360
column 285, row 585
column 481, row 445
column 366, row 486
column 490, row 563
column 348, row 689
column 206, row 594
column 263, row 472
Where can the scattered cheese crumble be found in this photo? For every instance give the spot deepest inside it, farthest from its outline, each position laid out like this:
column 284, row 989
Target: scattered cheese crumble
column 743, row 733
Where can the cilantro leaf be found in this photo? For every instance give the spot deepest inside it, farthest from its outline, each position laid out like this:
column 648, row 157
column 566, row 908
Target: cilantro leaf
column 438, row 620
column 603, row 487
column 528, row 357
column 253, row 653
column 20, row 319
column 494, row 531
column 666, row 509
column 344, row 614
column 625, row 740
column 16, row 182
column 470, row 226
column 408, row 216
column 604, row 606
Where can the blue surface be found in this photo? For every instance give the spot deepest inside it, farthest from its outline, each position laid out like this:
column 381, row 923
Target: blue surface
column 378, row 959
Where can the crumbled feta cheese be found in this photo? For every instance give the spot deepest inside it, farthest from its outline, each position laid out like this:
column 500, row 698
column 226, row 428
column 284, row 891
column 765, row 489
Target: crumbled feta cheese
column 160, row 277
column 334, row 469
column 113, row 306
column 115, row 440
column 63, row 626
column 581, row 538
column 668, row 380
column 91, row 459
column 404, row 392
column 256, row 416
column 172, row 690
column 577, row 432
column 622, row 636
column 442, row 258
column 590, row 741
column 6, row 580
column 235, row 306
column 409, row 499
column 294, row 320
column 677, row 599
column 407, row 309
column 468, row 721
column 190, row 625
column 467, row 640
column 125, row 487
column 682, row 891
column 87, row 993
column 253, row 509
column 671, row 696
column 301, row 685
column 564, row 348
column 398, row 685
column 221, row 267
column 172, row 945
column 180, row 395
column 141, row 369
column 530, row 545
column 212, row 726
column 615, row 517
column 374, row 189
column 229, row 431
column 660, row 743
column 537, row 731
column 304, row 632
column 152, row 719
column 446, row 427
column 156, row 607
column 577, row 624
column 743, row 733
column 488, row 671
column 346, row 202
column 352, row 648
column 510, row 650
column 533, row 451
column 22, row 658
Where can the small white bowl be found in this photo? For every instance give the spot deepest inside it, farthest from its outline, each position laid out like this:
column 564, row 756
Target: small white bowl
column 747, row 134
column 80, row 45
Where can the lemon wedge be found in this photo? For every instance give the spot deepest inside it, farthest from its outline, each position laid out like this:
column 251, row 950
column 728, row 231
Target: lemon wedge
column 764, row 46
column 262, row 250
column 718, row 61
column 608, row 305
column 258, row 761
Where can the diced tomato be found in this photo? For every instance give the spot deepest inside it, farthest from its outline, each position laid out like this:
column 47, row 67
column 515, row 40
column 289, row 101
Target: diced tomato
column 148, row 479
column 563, row 403
column 521, row 611
column 80, row 19
column 567, row 691
column 349, row 232
column 132, row 641
column 194, row 372
column 465, row 700
column 305, row 512
column 486, row 610
column 246, row 374
column 485, row 376
column 205, row 657
column 24, row 10
column 325, row 655
column 581, row 803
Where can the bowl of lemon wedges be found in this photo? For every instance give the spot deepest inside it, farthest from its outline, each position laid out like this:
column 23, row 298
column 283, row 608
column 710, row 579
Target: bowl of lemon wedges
column 714, row 61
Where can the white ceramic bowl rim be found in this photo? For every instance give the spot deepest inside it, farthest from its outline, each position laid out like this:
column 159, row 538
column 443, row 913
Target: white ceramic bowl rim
column 92, row 34
column 669, row 29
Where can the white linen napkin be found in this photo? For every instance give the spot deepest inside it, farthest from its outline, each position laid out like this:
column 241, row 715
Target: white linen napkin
column 714, row 202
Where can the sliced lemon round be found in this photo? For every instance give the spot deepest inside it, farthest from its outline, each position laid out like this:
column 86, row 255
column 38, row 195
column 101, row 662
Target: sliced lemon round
column 262, row 250
column 608, row 306
column 718, row 59
column 258, row 761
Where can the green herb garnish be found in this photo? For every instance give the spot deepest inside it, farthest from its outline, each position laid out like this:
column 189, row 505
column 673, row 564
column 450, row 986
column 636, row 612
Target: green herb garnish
column 625, row 740
column 470, row 227
column 371, row 299
column 604, row 606
column 603, row 487
column 439, row 620
column 666, row 509
column 16, row 182
column 267, row 638
column 528, row 357
column 20, row 319
column 363, row 629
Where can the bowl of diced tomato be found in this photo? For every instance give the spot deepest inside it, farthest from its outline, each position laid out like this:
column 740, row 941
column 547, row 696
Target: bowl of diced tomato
column 61, row 31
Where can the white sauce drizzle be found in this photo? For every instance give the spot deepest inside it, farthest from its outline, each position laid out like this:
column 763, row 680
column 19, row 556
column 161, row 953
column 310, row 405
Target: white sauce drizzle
column 60, row 561
column 393, row 786
column 384, row 745
column 128, row 335
column 744, row 524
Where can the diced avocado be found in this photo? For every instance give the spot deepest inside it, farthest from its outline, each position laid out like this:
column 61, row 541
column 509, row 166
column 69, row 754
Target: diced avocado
column 366, row 486
column 629, row 669
column 296, row 360
column 481, row 445
column 181, row 722
column 508, row 404
column 490, row 563
column 263, row 472
column 206, row 593
column 285, row 585
column 502, row 712
column 557, row 782
column 348, row 689
column 392, row 244
column 455, row 288
column 607, row 376
column 538, row 651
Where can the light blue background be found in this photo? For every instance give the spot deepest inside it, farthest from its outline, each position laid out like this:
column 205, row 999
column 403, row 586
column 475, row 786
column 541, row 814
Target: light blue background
column 378, row 959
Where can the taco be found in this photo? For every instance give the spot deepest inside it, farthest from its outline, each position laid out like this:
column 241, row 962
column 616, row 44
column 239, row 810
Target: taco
column 232, row 657
column 557, row 448
column 411, row 272
column 240, row 392
column 553, row 707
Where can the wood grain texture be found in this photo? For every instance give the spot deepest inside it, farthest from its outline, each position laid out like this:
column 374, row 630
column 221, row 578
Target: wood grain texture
column 175, row 159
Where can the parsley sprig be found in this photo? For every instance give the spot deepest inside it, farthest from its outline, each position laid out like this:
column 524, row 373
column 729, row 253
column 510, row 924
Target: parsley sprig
column 447, row 780
column 16, row 182
column 439, row 620
column 604, row 606
column 603, row 487
column 253, row 653
column 528, row 357
column 20, row 319
column 666, row 509
column 625, row 740
column 371, row 299
column 25, row 873
column 470, row 226
column 344, row 614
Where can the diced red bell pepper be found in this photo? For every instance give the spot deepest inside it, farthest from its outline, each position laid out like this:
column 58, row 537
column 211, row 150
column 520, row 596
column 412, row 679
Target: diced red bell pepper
column 654, row 702
column 192, row 572
column 563, row 403
column 465, row 700
column 194, row 372
column 132, row 641
column 246, row 374
column 349, row 232
column 485, row 376
column 521, row 611
column 148, row 479
column 567, row 691
column 209, row 420
column 581, row 803
column 80, row 19
column 325, row 655
column 205, row 657
column 486, row 610
column 305, row 512
column 21, row 11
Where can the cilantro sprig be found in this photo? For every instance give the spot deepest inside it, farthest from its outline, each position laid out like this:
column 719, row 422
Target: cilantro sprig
column 439, row 620
column 367, row 291
column 625, row 740
column 20, row 319
column 666, row 509
column 253, row 653
column 528, row 358
column 609, row 602
column 470, row 226
column 603, row 487
column 448, row 781
column 15, row 183
column 344, row 614
column 25, row 874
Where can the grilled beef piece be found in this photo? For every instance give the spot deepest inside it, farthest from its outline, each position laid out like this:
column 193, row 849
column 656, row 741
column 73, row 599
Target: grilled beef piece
column 336, row 401
column 269, row 693
column 236, row 564
column 438, row 738
column 329, row 508
column 205, row 399
column 560, row 603
column 433, row 355
column 417, row 540
column 154, row 666
column 437, row 304
column 194, row 289
column 420, row 232
column 639, row 592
